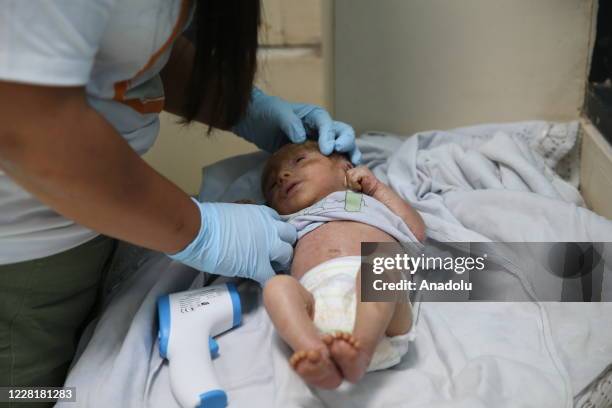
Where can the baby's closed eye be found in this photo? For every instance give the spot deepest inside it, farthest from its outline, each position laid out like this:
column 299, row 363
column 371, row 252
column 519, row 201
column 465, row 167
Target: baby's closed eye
column 244, row 201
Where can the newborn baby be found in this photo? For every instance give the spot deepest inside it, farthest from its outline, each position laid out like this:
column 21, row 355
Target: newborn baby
column 317, row 310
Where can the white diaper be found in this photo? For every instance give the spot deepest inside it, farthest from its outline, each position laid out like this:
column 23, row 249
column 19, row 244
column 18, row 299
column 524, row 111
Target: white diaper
column 332, row 285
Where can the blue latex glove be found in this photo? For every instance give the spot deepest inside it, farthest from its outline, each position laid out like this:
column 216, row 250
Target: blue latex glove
column 271, row 122
column 244, row 240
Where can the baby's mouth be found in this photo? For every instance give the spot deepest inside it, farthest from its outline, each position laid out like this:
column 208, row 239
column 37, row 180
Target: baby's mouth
column 291, row 187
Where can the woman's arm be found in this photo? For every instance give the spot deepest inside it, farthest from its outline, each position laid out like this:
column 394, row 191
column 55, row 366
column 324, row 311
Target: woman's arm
column 62, row 151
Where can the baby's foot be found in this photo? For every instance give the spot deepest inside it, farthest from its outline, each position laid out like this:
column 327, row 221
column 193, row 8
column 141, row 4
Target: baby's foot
column 352, row 359
column 316, row 368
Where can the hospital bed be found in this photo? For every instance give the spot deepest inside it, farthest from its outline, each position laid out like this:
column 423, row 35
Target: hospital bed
column 490, row 182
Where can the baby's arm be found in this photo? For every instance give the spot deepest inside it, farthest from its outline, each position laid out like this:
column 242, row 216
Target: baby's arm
column 362, row 179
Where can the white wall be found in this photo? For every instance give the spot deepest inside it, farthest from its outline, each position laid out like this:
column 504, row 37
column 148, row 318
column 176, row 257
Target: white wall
column 409, row 65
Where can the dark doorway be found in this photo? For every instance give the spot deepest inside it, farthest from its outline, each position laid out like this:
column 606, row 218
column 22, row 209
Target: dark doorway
column 601, row 67
column 598, row 104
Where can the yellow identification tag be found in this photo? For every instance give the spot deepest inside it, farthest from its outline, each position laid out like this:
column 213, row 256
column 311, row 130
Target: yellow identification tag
column 352, row 201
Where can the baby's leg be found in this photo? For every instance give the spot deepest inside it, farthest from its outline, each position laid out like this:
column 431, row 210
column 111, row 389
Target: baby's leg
column 291, row 308
column 353, row 352
column 401, row 321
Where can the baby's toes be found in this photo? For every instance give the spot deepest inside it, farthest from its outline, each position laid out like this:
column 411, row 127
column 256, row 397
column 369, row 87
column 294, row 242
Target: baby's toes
column 297, row 357
column 343, row 347
column 305, row 361
column 328, row 339
column 313, row 356
column 352, row 361
column 351, row 340
column 348, row 338
column 316, row 369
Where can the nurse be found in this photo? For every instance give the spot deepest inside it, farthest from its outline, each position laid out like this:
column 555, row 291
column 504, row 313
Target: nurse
column 81, row 87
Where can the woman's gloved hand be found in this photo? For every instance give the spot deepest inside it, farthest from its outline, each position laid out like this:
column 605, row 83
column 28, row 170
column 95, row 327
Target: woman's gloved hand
column 244, row 240
column 271, row 122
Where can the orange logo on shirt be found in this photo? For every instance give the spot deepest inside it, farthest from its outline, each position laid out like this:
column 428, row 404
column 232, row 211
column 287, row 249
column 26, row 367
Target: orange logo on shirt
column 149, row 96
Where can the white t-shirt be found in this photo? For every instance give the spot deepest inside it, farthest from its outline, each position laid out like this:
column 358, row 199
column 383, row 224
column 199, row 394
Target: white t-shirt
column 115, row 48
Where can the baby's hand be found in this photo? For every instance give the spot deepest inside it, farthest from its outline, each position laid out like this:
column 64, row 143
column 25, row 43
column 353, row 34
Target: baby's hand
column 362, row 179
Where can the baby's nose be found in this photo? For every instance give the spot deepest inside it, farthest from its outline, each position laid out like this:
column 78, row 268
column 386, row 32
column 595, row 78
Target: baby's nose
column 284, row 175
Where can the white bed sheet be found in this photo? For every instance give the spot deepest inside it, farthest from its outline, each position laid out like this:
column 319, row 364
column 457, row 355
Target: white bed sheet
column 465, row 355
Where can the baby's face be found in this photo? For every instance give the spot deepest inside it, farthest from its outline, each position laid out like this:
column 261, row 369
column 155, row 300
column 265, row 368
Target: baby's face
column 297, row 177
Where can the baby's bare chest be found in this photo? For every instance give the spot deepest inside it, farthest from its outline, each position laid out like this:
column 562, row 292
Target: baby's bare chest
column 332, row 240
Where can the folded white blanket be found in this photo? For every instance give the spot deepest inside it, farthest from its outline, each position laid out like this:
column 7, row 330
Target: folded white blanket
column 485, row 183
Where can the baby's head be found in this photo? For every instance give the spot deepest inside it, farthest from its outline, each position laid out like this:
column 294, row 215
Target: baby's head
column 299, row 175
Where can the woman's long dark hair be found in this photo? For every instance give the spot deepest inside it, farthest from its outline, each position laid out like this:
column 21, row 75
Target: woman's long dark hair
column 225, row 36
